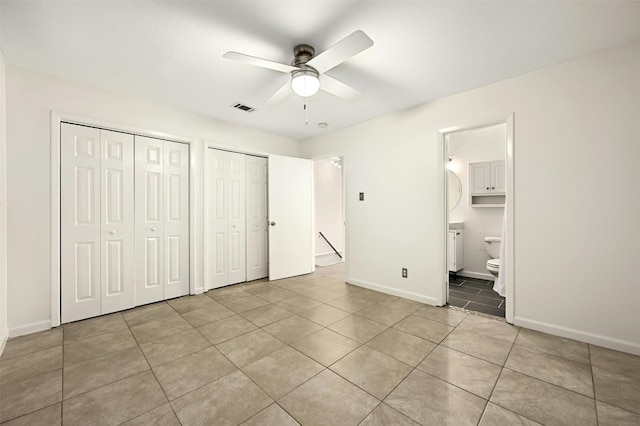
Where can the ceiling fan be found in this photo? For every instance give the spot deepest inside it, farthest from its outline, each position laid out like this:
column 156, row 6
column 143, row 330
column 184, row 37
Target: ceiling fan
column 307, row 69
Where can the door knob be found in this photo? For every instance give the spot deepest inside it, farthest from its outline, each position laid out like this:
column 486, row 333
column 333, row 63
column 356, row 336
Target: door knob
column 153, row 229
column 272, row 224
column 487, row 187
column 112, row 232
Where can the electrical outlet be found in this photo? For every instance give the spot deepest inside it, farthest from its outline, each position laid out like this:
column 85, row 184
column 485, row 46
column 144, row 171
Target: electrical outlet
column 404, row 272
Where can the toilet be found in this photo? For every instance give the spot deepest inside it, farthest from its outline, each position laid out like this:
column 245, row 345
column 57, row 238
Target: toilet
column 492, row 245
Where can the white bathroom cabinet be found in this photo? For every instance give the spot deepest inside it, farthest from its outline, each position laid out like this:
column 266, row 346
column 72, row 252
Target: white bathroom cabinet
column 455, row 250
column 487, row 184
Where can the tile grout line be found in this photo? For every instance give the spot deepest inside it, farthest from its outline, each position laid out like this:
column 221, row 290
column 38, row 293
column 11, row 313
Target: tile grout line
column 593, row 383
column 338, row 360
column 62, row 381
column 151, row 369
column 106, row 384
column 240, row 369
column 360, row 345
column 535, row 378
column 286, row 345
column 500, row 374
column 416, row 368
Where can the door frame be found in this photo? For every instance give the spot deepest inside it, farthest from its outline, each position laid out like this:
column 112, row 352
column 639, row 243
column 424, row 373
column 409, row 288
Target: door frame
column 343, row 170
column 195, row 199
column 509, row 205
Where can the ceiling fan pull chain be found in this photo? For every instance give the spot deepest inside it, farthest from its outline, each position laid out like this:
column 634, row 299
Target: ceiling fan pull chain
column 306, row 113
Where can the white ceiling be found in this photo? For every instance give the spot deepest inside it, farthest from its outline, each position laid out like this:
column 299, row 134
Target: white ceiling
column 171, row 52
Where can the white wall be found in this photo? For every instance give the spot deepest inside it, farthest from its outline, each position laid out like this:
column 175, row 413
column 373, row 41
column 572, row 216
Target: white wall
column 327, row 182
column 3, row 208
column 576, row 200
column 30, row 99
column 485, row 144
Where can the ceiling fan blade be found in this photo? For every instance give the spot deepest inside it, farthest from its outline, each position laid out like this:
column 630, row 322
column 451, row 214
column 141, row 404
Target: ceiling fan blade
column 258, row 62
column 346, row 48
column 338, row 88
column 279, row 95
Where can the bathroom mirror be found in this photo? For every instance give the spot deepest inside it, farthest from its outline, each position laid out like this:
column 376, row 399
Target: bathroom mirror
column 455, row 190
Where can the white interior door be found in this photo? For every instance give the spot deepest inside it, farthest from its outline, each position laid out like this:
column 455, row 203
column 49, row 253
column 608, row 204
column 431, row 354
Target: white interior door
column 225, row 206
column 117, row 222
column 257, row 220
column 216, row 213
column 236, row 224
column 291, row 216
column 149, row 202
column 80, row 222
column 162, row 219
column 176, row 219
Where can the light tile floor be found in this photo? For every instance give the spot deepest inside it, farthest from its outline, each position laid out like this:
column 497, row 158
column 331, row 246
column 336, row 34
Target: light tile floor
column 310, row 350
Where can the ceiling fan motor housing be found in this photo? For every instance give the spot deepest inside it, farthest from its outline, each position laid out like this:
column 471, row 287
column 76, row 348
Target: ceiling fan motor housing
column 302, row 53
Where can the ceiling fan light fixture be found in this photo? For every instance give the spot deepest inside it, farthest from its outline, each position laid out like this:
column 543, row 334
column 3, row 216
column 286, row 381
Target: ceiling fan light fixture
column 305, row 82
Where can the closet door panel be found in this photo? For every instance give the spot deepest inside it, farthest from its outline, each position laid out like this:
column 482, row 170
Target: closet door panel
column 117, row 222
column 149, row 222
column 216, row 200
column 80, row 222
column 176, row 223
column 257, row 232
column 236, row 223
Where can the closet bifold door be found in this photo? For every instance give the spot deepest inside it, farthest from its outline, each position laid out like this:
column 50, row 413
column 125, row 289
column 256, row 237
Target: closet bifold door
column 149, row 187
column 117, row 222
column 96, row 211
column 237, row 221
column 216, row 213
column 225, row 206
column 257, row 219
column 162, row 219
column 176, row 219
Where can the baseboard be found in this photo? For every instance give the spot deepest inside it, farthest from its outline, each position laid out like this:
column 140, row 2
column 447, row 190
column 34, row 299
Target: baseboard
column 478, row 275
column 4, row 335
column 582, row 336
column 30, row 328
column 393, row 291
column 326, row 259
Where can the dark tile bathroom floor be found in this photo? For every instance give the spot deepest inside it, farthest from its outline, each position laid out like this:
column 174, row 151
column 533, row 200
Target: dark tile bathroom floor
column 475, row 295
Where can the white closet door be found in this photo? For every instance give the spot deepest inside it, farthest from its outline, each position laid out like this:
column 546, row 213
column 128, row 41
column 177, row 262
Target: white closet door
column 257, row 222
column 216, row 206
column 117, row 222
column 80, row 222
column 176, row 219
column 225, row 206
column 291, row 217
column 149, row 185
column 236, row 202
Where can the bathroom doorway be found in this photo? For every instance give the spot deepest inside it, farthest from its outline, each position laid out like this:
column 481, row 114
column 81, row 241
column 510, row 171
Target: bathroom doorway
column 478, row 212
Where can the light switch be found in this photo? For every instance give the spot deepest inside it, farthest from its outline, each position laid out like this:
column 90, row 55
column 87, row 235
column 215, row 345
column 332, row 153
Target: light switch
column 362, row 196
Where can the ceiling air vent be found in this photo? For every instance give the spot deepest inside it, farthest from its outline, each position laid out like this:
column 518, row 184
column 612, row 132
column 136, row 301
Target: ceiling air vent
column 243, row 107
